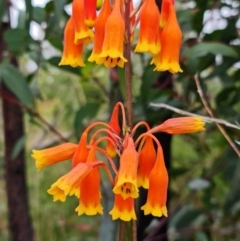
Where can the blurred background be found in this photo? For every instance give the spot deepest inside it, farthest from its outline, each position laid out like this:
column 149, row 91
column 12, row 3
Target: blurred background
column 44, row 105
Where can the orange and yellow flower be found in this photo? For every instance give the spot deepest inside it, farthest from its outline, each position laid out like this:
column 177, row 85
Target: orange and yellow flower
column 114, row 124
column 147, row 158
column 90, row 12
column 149, row 16
column 181, row 125
column 100, row 33
column 72, row 53
column 53, row 155
column 81, row 153
column 112, row 49
column 90, row 194
column 171, row 39
column 83, row 35
column 123, row 209
column 157, row 192
column 126, row 184
column 69, row 183
column 165, row 12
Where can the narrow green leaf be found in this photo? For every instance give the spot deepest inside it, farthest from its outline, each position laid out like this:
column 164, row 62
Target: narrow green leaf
column 17, row 83
column 202, row 49
column 19, row 145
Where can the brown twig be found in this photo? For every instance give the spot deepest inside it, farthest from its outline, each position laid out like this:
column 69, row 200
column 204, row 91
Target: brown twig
column 205, row 118
column 210, row 112
column 36, row 115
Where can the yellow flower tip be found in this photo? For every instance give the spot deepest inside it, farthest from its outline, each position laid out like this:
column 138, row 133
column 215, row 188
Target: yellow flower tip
column 57, row 193
column 75, row 191
column 89, row 23
column 143, row 182
column 170, row 66
column 144, row 46
column 83, row 37
column 110, row 150
column 89, row 210
column 123, row 215
column 182, row 125
column 157, row 211
column 123, row 209
column 126, row 189
column 73, row 61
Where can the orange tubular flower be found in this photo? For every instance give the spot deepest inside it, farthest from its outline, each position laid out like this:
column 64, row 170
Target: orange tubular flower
column 72, row 53
column 81, row 153
column 149, row 16
column 127, row 176
column 53, row 155
column 90, row 194
column 83, row 35
column 165, row 12
column 123, row 209
column 147, row 157
column 70, row 182
column 157, row 192
column 100, row 32
column 112, row 49
column 181, row 125
column 114, row 123
column 90, row 12
column 170, row 45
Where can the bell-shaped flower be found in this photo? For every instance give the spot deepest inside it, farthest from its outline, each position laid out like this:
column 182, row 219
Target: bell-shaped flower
column 72, row 53
column 157, row 192
column 53, row 155
column 69, row 183
column 99, row 27
column 90, row 12
column 171, row 39
column 83, row 35
column 123, row 209
column 112, row 49
column 181, row 125
column 147, row 158
column 90, row 194
column 126, row 184
column 149, row 16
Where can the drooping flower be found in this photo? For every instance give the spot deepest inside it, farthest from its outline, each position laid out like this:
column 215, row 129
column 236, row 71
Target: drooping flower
column 165, row 12
column 171, row 39
column 72, row 53
column 157, row 192
column 100, row 32
column 90, row 194
column 90, row 12
column 81, row 153
column 53, row 155
column 126, row 184
column 83, row 35
column 123, row 209
column 69, row 183
column 112, row 49
column 181, row 125
column 147, row 158
column 114, row 124
column 149, row 16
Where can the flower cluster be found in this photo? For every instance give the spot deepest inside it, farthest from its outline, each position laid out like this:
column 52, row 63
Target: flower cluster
column 140, row 165
column 159, row 33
